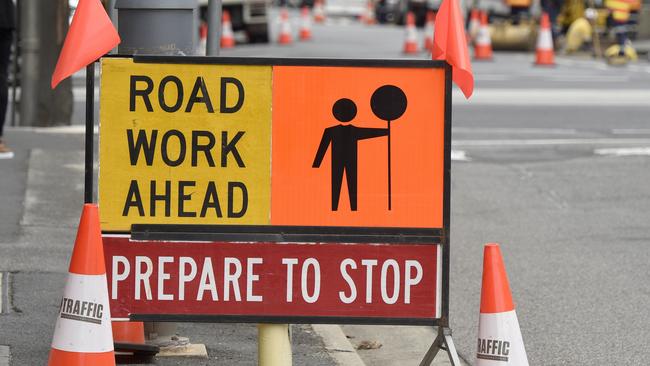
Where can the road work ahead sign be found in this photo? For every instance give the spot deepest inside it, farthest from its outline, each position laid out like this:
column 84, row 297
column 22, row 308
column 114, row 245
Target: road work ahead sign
column 313, row 191
column 272, row 142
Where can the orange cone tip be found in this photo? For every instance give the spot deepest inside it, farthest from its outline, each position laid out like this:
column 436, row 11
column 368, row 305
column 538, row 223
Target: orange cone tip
column 499, row 338
column 82, row 335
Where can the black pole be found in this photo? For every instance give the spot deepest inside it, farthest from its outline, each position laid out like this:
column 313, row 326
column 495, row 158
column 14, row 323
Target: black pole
column 90, row 131
column 390, row 198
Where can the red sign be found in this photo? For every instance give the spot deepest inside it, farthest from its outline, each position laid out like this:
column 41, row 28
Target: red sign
column 298, row 280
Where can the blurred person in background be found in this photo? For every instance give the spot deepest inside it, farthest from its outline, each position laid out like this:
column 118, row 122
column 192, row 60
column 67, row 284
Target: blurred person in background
column 7, row 26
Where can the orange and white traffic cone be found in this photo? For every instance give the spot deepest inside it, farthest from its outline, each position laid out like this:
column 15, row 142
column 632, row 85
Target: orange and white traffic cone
column 227, row 35
column 411, row 41
column 319, row 12
column 285, row 28
column 305, row 24
column 474, row 25
column 499, row 337
column 483, row 43
column 428, row 30
column 544, row 54
column 82, row 335
column 368, row 16
column 203, row 38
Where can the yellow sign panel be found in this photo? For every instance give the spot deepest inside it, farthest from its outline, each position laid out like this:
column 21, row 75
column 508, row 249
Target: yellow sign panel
column 183, row 145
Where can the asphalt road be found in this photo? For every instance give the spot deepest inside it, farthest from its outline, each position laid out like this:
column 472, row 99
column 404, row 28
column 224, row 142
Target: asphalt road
column 552, row 163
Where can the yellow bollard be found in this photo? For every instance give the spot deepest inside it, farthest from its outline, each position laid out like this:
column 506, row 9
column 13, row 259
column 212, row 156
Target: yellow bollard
column 274, row 345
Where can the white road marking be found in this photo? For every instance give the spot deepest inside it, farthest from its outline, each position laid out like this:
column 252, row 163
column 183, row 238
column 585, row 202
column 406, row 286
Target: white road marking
column 630, row 131
column 5, row 355
column 543, row 142
column 554, row 97
column 459, row 155
column 623, row 151
column 522, row 131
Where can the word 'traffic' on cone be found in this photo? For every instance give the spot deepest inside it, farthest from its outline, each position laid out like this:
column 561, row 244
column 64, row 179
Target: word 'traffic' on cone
column 429, row 28
column 227, row 35
column 474, row 25
column 305, row 24
column 285, row 28
column 319, row 12
column 82, row 335
column 499, row 337
column 483, row 42
column 411, row 41
column 544, row 53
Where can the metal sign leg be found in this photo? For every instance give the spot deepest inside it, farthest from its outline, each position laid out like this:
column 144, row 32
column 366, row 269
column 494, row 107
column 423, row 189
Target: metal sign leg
column 443, row 341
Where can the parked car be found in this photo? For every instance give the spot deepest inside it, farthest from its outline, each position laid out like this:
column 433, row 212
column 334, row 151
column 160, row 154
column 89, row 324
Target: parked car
column 345, row 8
column 394, row 11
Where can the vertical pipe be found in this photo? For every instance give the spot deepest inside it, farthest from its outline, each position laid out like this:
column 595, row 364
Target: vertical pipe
column 14, row 68
column 29, row 75
column 90, row 132
column 274, row 347
column 214, row 28
column 390, row 195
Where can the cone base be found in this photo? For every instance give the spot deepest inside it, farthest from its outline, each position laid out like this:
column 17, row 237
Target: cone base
column 63, row 358
column 545, row 58
column 284, row 39
column 305, row 35
column 411, row 48
column 227, row 43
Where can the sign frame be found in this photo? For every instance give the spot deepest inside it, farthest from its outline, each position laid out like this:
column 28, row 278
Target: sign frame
column 271, row 233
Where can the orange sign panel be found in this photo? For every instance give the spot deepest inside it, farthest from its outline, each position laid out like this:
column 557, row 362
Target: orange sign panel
column 358, row 146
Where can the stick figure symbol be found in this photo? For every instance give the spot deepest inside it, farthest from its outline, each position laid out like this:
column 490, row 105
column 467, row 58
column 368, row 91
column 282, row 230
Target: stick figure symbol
column 344, row 139
column 388, row 103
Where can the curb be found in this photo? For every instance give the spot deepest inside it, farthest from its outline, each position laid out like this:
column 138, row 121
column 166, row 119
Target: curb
column 337, row 345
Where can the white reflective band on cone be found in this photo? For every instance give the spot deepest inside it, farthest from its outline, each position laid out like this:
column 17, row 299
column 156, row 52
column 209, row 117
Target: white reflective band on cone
column 545, row 40
column 499, row 341
column 483, row 37
column 80, row 331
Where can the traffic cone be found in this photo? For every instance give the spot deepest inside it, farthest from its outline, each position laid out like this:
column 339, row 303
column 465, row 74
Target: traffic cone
column 499, row 337
column 368, row 16
column 227, row 35
column 411, row 41
column 82, row 335
column 483, row 43
column 319, row 13
column 474, row 25
column 128, row 332
column 428, row 30
column 305, row 26
column 203, row 38
column 285, row 28
column 544, row 53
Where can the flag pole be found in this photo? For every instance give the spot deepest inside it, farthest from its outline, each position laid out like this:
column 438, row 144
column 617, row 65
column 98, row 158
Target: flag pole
column 90, row 131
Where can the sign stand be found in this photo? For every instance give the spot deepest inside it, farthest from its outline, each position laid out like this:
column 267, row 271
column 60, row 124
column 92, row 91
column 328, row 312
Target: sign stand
column 443, row 341
column 169, row 238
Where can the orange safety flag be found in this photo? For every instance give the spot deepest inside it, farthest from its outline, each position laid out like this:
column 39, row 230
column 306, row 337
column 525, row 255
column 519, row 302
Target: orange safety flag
column 91, row 35
column 450, row 44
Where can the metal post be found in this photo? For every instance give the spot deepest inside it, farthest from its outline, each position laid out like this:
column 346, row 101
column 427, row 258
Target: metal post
column 90, row 132
column 214, row 28
column 29, row 76
column 274, row 345
column 14, row 68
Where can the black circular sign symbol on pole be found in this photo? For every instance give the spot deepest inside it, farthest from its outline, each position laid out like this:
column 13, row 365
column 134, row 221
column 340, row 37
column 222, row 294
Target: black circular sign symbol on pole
column 388, row 102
